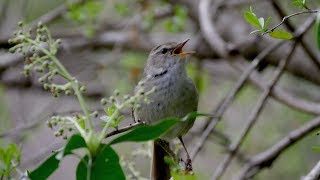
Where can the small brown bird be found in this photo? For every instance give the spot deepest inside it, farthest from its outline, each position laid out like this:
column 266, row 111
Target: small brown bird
column 175, row 96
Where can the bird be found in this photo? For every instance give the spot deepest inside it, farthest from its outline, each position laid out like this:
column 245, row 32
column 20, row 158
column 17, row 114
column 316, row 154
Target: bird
column 175, row 95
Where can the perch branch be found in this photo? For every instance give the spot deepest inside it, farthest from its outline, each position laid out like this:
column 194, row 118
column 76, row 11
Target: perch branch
column 253, row 116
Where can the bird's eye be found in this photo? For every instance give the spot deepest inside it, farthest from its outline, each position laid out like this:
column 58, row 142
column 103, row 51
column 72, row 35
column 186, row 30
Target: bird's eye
column 164, row 50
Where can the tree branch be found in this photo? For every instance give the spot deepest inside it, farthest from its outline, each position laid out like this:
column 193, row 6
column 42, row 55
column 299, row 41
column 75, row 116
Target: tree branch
column 252, row 119
column 314, row 174
column 124, row 129
column 266, row 158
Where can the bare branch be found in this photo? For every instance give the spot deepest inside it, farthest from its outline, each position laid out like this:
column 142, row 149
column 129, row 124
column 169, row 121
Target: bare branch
column 266, row 158
column 314, row 174
column 231, row 95
column 208, row 29
column 252, row 119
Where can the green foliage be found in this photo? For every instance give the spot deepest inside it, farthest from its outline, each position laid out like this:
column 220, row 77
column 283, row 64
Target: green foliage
column 51, row 164
column 9, row 159
column 105, row 165
column 181, row 176
column 178, row 21
column 317, row 30
column 85, row 14
column 280, row 34
column 262, row 26
column 148, row 132
column 299, row 3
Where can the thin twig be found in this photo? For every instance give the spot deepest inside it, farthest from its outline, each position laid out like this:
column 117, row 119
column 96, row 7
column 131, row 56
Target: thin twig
column 124, row 129
column 253, row 116
column 315, row 59
column 289, row 16
column 267, row 157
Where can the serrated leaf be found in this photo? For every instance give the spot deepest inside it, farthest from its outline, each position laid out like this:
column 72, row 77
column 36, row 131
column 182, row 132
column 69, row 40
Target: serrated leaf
column 105, row 165
column 280, row 34
column 317, row 30
column 147, row 132
column 252, row 19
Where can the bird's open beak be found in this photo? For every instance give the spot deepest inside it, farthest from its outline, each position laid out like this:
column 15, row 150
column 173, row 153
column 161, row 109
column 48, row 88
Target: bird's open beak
column 178, row 49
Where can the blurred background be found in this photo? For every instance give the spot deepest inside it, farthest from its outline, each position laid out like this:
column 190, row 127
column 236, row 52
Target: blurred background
column 105, row 44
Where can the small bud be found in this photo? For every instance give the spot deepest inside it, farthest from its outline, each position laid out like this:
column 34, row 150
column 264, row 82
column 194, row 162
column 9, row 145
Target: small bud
column 40, row 25
column 55, row 95
column 39, row 69
column 58, row 41
column 65, row 137
column 112, row 99
column 126, row 97
column 68, row 92
column 141, row 83
column 56, row 134
column 116, row 92
column 141, row 92
column 49, row 124
column 46, row 86
column 95, row 114
column 83, row 89
column 103, row 102
column 70, row 129
column 20, row 23
column 41, row 80
column 12, row 50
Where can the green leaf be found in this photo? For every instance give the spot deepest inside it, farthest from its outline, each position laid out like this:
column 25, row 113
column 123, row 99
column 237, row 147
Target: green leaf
column 280, row 34
column 251, row 18
column 147, row 132
column 75, row 142
column 316, row 148
column 317, row 30
column 46, row 168
column 267, row 23
column 298, row 3
column 105, row 165
column 182, row 176
column 52, row 163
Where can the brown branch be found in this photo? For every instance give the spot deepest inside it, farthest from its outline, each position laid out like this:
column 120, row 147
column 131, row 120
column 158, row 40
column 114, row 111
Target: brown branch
column 253, row 116
column 314, row 174
column 266, row 158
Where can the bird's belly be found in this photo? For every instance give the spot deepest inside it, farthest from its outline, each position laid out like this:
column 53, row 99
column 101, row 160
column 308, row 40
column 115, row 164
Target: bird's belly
column 169, row 101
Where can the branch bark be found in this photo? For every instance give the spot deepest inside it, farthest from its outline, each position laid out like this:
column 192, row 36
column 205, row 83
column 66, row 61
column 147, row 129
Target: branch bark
column 266, row 158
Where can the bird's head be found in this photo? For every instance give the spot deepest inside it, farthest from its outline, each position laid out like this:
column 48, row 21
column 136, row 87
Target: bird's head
column 166, row 56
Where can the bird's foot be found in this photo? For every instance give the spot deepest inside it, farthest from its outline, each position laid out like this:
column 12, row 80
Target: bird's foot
column 186, row 165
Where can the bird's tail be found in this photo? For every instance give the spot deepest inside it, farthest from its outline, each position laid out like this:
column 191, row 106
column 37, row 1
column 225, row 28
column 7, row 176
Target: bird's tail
column 160, row 170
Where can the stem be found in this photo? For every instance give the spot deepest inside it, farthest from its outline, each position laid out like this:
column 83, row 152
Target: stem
column 105, row 128
column 89, row 166
column 74, row 83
